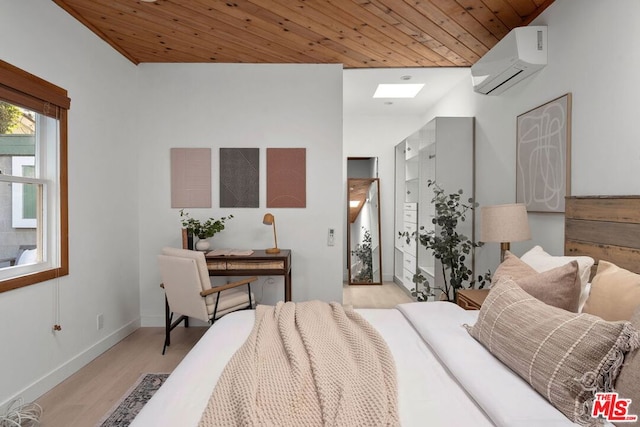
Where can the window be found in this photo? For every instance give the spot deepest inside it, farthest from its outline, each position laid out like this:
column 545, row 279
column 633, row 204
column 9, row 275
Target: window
column 23, row 196
column 33, row 179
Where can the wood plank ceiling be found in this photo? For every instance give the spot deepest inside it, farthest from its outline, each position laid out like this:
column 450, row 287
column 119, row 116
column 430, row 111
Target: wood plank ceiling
column 355, row 33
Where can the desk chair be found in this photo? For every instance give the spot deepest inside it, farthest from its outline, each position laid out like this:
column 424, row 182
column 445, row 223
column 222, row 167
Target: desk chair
column 189, row 293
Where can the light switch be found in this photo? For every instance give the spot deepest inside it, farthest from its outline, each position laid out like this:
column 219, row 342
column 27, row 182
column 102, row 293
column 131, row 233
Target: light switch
column 331, row 237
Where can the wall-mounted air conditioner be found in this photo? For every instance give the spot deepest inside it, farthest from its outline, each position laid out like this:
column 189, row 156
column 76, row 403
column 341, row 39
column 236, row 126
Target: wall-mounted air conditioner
column 518, row 55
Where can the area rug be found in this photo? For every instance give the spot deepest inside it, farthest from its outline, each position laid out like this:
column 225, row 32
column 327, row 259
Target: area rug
column 134, row 399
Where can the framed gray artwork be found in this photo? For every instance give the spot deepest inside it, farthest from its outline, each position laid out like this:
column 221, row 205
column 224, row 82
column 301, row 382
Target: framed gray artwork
column 543, row 156
column 239, row 177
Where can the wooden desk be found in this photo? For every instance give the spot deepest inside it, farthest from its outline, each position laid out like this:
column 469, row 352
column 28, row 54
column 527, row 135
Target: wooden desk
column 259, row 263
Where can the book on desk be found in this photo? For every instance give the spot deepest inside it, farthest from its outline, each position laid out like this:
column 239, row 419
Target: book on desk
column 230, row 252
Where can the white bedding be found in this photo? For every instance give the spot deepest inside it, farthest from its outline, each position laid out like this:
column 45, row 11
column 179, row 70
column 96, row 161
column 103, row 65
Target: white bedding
column 451, row 381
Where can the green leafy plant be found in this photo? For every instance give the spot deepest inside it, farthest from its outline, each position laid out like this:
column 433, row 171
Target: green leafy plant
column 364, row 253
column 421, row 282
column 9, row 117
column 203, row 230
column 448, row 245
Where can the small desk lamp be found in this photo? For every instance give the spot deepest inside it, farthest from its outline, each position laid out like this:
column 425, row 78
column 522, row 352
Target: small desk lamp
column 504, row 224
column 269, row 219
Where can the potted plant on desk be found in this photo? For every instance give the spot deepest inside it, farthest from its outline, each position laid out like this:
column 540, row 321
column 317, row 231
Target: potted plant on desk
column 204, row 230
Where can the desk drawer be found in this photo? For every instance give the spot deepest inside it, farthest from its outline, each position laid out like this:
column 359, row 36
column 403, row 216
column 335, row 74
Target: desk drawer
column 255, row 265
column 216, row 265
column 223, row 265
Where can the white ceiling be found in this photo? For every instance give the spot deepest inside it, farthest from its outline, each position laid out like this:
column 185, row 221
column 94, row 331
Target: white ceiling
column 360, row 84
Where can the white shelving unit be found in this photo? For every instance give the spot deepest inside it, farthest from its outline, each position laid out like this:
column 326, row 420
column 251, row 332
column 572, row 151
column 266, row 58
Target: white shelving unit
column 442, row 151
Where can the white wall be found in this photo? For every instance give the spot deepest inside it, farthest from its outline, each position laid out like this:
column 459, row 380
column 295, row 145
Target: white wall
column 42, row 39
column 245, row 105
column 593, row 54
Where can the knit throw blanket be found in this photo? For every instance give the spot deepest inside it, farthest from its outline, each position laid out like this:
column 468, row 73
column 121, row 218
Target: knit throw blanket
column 307, row 364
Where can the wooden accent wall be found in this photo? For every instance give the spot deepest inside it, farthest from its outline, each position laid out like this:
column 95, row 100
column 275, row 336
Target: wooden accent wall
column 604, row 227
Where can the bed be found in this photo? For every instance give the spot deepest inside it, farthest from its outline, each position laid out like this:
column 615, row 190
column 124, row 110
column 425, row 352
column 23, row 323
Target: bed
column 445, row 377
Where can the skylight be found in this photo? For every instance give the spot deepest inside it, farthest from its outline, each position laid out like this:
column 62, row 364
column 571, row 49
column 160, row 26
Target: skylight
column 401, row 90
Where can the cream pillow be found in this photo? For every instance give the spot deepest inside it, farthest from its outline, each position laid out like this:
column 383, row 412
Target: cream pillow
column 559, row 287
column 566, row 357
column 628, row 382
column 540, row 260
column 615, row 293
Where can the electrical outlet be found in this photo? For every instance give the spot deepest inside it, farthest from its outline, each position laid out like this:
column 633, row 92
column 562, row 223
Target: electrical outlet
column 100, row 321
column 331, row 240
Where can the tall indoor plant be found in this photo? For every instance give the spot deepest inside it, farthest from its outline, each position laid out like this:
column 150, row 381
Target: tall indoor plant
column 448, row 245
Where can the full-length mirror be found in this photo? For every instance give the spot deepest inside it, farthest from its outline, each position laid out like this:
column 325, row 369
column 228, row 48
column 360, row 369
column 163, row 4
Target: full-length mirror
column 363, row 236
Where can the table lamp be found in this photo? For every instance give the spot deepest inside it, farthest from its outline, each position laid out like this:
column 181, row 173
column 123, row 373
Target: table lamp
column 504, row 224
column 269, row 219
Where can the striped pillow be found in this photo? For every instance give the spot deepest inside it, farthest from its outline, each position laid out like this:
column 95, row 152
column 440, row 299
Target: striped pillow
column 566, row 357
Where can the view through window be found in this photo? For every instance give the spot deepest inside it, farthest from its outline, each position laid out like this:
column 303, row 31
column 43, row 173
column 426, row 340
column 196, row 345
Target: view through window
column 33, row 201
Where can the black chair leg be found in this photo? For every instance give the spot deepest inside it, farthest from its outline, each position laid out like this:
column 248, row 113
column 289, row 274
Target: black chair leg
column 169, row 324
column 167, row 333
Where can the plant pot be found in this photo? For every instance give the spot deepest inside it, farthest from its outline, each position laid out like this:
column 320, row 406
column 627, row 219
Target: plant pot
column 202, row 245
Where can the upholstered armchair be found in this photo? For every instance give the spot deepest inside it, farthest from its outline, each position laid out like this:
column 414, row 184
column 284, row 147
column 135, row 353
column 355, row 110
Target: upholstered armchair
column 189, row 293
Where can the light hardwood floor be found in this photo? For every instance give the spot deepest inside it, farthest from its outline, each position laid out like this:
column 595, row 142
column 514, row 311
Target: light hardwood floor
column 387, row 295
column 85, row 397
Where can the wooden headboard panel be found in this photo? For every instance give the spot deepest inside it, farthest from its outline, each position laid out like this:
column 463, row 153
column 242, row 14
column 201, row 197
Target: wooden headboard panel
column 604, row 227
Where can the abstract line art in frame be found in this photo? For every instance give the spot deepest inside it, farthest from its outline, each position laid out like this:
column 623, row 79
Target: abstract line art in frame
column 239, row 177
column 543, row 157
column 286, row 177
column 190, row 177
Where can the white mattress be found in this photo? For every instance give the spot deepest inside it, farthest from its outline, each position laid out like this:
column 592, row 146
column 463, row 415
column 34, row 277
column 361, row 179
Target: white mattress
column 466, row 390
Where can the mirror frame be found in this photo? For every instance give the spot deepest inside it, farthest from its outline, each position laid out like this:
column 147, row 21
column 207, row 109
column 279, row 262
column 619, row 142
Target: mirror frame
column 350, row 181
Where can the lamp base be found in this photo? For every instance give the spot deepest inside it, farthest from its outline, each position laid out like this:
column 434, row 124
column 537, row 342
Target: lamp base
column 272, row 251
column 504, row 247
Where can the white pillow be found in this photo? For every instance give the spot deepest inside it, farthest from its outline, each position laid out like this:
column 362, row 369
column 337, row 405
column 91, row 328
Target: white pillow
column 541, row 261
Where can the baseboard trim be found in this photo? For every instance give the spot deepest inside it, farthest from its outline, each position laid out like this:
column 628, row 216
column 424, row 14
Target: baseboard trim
column 55, row 377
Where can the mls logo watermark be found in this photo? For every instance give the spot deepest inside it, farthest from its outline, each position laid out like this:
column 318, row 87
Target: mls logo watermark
column 612, row 408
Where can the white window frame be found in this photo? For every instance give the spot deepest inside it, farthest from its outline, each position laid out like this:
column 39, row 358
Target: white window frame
column 17, row 207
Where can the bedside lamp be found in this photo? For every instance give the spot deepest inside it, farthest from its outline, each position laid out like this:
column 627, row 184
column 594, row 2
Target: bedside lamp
column 504, row 224
column 269, row 219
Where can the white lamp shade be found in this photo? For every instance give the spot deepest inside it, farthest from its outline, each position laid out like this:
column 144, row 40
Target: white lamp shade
column 504, row 223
